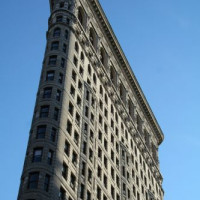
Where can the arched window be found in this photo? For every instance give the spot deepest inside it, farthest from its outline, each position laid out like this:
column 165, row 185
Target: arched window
column 76, row 47
column 56, row 32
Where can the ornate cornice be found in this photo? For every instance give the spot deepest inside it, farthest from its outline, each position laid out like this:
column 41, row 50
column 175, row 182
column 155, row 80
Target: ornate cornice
column 119, row 55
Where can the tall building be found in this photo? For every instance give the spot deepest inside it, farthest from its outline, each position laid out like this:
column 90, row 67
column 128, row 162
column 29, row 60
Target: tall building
column 93, row 135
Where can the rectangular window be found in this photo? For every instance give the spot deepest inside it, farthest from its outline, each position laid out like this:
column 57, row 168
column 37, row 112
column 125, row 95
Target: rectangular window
column 62, row 64
column 64, row 171
column 64, row 48
column 33, row 180
column 53, row 134
column 60, row 78
column 62, row 194
column 50, row 76
column 52, row 60
column 55, row 115
column 74, row 158
column 41, row 130
column 59, row 18
column 55, row 45
column 73, row 181
column 67, row 148
column 44, row 111
column 37, row 155
column 69, row 127
column 46, row 182
column 47, row 92
column 58, row 95
column 50, row 157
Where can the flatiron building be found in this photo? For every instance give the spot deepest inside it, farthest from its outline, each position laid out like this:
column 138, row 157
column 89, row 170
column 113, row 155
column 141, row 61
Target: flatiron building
column 93, row 134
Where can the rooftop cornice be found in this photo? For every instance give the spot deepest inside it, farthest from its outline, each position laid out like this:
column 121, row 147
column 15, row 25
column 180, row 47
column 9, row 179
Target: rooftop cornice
column 120, row 56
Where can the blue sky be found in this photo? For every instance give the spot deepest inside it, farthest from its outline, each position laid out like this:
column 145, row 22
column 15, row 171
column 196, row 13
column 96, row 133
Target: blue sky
column 161, row 40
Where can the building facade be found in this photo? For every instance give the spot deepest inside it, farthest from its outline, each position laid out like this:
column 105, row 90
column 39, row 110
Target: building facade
column 93, row 135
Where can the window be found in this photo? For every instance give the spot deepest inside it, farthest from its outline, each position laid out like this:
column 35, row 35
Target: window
column 82, row 191
column 89, row 175
column 37, row 155
column 59, row 18
column 62, row 64
column 53, row 134
column 88, row 195
column 74, row 158
column 64, row 171
column 47, row 92
column 72, row 90
column 82, row 57
column 84, row 148
column 56, row 32
column 89, row 70
column 56, row 112
column 78, row 118
column 71, row 108
column 73, row 181
column 33, row 180
column 60, row 78
column 44, row 111
column 78, row 101
column 105, row 162
column 67, row 148
column 74, row 75
column 76, row 47
column 61, row 4
column 66, row 34
column 55, row 45
column 81, row 70
column 52, row 60
column 62, row 194
column 50, row 157
column 83, row 167
column 64, row 48
column 99, row 153
column 75, row 61
column 81, row 16
column 41, row 130
column 105, row 181
column 86, row 111
column 58, row 95
column 76, row 137
column 69, row 127
column 46, row 182
column 99, row 171
column 105, row 144
column 112, row 192
column 100, row 135
column 80, row 85
column 50, row 76
column 112, row 173
column 90, row 154
column 98, row 193
column 101, row 90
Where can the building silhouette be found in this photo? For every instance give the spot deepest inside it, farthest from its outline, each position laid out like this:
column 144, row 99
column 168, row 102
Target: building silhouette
column 93, row 135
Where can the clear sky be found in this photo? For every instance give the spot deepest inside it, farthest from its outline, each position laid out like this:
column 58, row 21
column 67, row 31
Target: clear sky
column 161, row 39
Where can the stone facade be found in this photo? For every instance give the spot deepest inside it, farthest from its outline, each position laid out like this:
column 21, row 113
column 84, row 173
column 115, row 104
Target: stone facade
column 93, row 134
